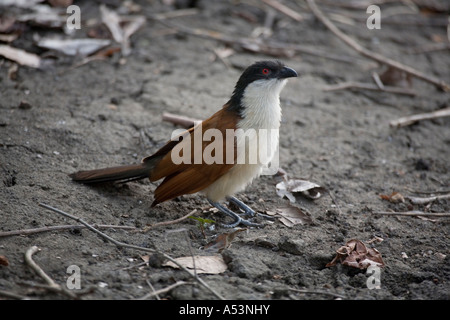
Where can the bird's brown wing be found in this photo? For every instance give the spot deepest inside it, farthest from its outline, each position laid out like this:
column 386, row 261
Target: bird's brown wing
column 187, row 178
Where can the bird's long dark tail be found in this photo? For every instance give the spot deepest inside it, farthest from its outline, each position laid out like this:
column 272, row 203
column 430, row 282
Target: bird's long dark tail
column 121, row 173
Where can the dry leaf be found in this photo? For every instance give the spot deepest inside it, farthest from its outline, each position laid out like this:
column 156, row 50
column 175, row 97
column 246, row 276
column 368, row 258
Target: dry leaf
column 121, row 28
column 355, row 254
column 12, row 71
column 222, row 241
column 397, row 78
column 20, row 3
column 4, row 261
column 20, row 56
column 291, row 216
column 46, row 16
column 203, row 264
column 309, row 189
column 394, row 197
column 72, row 47
column 145, row 258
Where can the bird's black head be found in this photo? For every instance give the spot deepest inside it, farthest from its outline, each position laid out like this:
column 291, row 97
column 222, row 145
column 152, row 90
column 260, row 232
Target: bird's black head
column 261, row 70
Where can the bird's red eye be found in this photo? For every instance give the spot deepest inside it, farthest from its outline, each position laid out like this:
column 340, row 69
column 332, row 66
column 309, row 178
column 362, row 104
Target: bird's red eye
column 265, row 71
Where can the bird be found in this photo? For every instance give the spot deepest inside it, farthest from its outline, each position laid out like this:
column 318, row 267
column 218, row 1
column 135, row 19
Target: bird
column 215, row 157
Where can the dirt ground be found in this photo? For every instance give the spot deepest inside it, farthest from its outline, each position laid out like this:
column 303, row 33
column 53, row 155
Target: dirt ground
column 108, row 112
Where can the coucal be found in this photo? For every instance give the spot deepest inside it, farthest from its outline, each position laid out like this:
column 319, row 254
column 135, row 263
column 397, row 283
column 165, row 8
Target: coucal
column 242, row 124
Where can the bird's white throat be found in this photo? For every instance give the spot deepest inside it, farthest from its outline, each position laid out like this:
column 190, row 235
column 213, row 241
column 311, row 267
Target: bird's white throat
column 261, row 105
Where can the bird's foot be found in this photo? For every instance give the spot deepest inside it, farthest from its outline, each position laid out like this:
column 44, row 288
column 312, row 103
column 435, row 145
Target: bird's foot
column 247, row 211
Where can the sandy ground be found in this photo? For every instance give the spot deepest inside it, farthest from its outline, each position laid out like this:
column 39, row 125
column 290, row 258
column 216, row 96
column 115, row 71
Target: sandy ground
column 109, row 112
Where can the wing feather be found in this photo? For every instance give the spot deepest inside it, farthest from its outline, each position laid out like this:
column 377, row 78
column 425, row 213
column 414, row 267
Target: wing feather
column 188, row 178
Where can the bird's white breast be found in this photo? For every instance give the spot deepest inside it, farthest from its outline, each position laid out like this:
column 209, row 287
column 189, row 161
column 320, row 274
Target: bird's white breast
column 257, row 130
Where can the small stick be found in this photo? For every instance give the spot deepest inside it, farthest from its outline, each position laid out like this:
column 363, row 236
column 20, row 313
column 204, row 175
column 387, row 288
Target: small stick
column 430, row 48
column 413, row 214
column 372, row 55
column 167, row 289
column 57, row 228
column 429, row 192
column 420, row 200
column 377, row 80
column 131, row 246
column 369, row 86
column 283, row 9
column 331, row 194
column 406, row 121
column 52, row 285
column 183, row 121
column 336, row 295
column 153, row 289
column 165, row 223
column 177, row 13
column 29, row 260
column 254, row 45
column 12, row 295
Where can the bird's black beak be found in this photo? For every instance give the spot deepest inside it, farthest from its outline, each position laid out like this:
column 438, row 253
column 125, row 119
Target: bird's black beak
column 287, row 72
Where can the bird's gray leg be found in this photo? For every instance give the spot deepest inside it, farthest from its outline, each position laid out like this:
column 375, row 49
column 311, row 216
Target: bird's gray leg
column 247, row 210
column 237, row 219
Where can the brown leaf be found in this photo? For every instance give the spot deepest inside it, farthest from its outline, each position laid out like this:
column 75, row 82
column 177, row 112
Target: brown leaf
column 355, row 254
column 394, row 197
column 290, row 216
column 395, row 77
column 4, row 261
column 222, row 241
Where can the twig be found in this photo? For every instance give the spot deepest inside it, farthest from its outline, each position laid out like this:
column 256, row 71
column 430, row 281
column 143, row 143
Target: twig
column 250, row 44
column 406, row 121
column 29, row 260
column 153, row 289
column 429, row 48
column 369, row 86
column 57, row 228
column 183, row 121
column 428, row 192
column 372, row 55
column 167, row 289
column 420, row 200
column 166, row 223
column 333, row 198
column 413, row 214
column 177, row 13
column 283, row 9
column 52, row 285
column 336, row 295
column 12, row 295
column 377, row 80
column 131, row 246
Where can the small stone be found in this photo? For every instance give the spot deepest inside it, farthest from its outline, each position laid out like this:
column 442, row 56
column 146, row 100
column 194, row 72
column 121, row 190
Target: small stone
column 24, row 105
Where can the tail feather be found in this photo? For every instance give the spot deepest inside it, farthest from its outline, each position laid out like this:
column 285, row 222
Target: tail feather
column 121, row 173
